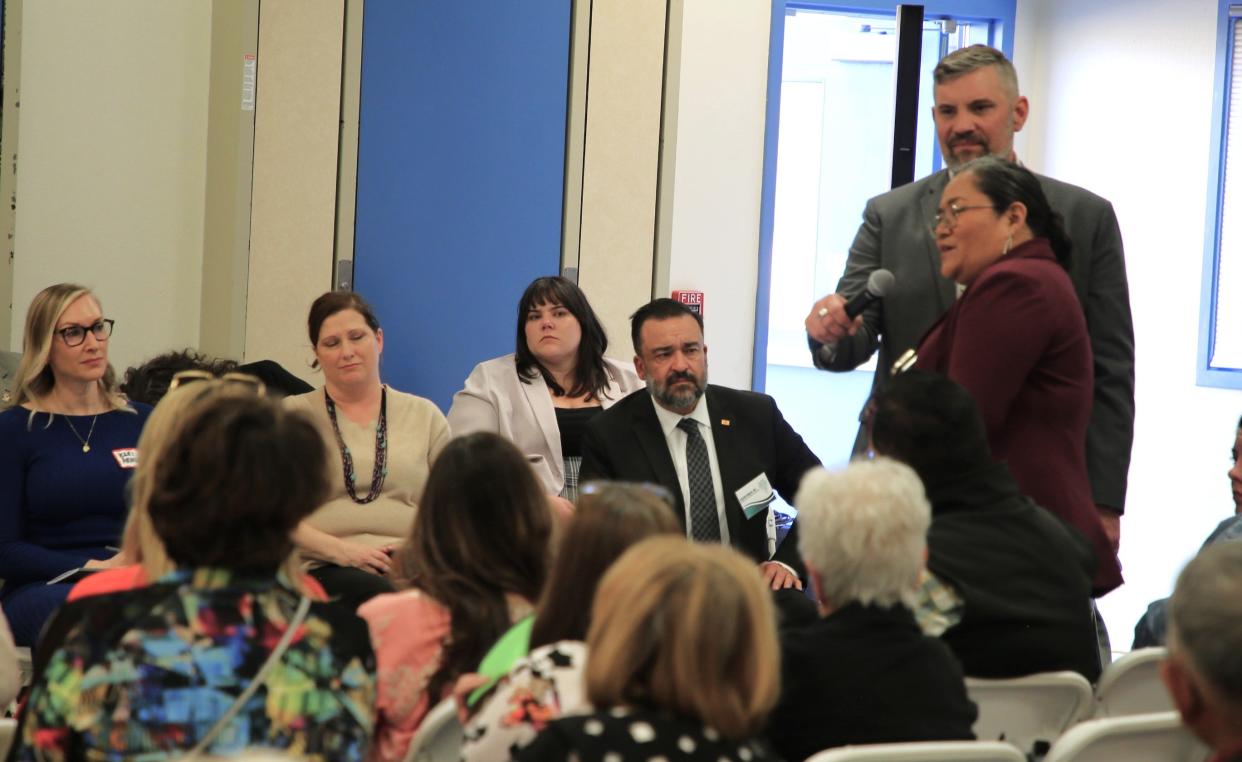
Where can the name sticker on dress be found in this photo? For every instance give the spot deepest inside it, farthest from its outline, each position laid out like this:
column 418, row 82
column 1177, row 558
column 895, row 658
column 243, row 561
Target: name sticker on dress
column 126, row 457
column 755, row 495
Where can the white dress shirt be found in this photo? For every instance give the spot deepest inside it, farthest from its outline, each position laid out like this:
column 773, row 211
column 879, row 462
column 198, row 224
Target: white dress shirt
column 676, row 439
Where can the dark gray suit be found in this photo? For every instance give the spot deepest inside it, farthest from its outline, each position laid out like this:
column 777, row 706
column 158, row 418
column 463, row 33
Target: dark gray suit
column 895, row 235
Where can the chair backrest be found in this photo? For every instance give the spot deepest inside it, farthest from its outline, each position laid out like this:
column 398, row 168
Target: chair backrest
column 25, row 665
column 1126, row 739
column 8, row 733
column 439, row 737
column 1029, row 711
column 924, row 751
column 1132, row 685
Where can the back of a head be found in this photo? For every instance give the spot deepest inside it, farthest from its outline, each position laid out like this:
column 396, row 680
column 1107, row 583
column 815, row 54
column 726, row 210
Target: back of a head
column 609, row 518
column 158, row 433
column 236, row 477
column 1205, row 619
column 930, row 423
column 864, row 531
column 149, row 382
column 482, row 522
column 687, row 628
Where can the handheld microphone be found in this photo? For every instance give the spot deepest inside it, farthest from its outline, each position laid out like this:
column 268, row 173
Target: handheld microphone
column 878, row 285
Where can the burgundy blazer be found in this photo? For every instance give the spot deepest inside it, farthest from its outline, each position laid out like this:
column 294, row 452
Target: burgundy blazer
column 1017, row 341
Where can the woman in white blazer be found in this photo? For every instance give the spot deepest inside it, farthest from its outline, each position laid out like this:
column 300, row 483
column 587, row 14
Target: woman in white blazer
column 542, row 396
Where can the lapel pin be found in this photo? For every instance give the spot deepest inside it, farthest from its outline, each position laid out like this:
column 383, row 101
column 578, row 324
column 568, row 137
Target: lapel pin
column 725, row 422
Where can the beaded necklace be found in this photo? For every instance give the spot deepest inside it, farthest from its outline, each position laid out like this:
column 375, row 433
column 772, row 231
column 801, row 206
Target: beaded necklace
column 381, row 450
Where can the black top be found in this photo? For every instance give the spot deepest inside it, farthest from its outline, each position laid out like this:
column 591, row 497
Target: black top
column 572, row 421
column 866, row 674
column 1023, row 574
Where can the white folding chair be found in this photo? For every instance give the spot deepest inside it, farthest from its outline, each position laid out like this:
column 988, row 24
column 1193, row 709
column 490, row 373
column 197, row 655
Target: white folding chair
column 25, row 665
column 1029, row 712
column 1126, row 739
column 923, row 751
column 439, row 737
column 1132, row 685
column 8, row 733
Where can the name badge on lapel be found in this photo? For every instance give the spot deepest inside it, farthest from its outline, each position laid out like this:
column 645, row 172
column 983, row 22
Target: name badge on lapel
column 126, row 457
column 755, row 495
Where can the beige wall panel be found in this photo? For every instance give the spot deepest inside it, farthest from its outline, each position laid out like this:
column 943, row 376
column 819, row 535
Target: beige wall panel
column 621, row 161
column 112, row 163
column 230, row 151
column 713, row 170
column 295, row 165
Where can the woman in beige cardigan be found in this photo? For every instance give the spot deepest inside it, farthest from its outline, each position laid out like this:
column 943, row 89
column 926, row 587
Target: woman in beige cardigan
column 543, row 395
column 383, row 443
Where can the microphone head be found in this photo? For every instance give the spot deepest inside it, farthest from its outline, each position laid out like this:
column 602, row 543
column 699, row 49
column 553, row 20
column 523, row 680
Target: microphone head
column 880, row 282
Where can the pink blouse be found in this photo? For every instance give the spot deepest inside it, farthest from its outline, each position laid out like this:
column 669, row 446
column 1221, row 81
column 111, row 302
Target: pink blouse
column 408, row 630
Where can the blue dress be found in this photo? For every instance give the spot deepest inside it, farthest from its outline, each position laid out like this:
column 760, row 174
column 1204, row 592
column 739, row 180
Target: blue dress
column 59, row 506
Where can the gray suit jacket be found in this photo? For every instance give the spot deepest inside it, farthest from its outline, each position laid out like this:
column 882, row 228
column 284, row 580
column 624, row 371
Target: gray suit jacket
column 895, row 235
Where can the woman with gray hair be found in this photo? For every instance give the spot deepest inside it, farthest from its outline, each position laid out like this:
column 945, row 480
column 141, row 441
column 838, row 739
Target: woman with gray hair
column 864, row 672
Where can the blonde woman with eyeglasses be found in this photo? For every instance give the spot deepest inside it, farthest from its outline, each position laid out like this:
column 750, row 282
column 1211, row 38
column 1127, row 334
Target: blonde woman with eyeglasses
column 70, row 445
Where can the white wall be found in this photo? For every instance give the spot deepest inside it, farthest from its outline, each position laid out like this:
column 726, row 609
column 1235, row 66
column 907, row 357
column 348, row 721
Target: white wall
column 112, row 160
column 713, row 171
column 1121, row 94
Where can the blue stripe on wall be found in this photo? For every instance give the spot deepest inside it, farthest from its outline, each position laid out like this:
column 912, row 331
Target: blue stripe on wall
column 461, row 165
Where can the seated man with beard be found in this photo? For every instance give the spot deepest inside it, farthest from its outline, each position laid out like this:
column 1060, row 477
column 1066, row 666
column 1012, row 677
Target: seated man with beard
column 721, row 452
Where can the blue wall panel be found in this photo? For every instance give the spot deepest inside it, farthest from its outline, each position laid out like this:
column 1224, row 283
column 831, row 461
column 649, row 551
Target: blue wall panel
column 461, row 164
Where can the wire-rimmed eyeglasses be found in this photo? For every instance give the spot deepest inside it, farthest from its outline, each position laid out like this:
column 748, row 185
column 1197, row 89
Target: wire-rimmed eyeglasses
column 73, row 335
column 949, row 215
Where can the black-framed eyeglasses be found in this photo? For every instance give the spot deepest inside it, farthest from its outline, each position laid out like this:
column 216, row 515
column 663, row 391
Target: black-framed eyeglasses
column 186, row 377
column 73, row 335
column 950, row 214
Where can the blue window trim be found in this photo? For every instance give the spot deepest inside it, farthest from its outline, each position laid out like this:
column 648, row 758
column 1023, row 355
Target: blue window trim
column 1205, row 375
column 1001, row 12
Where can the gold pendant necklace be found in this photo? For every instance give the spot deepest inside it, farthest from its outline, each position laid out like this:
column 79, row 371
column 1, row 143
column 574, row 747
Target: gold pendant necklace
column 86, row 443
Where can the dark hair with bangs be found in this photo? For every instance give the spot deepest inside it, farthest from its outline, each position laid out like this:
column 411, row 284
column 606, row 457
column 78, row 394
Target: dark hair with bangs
column 591, row 373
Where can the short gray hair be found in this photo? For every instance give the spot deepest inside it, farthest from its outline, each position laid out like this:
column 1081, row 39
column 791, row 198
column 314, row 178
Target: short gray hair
column 1205, row 618
column 975, row 57
column 864, row 530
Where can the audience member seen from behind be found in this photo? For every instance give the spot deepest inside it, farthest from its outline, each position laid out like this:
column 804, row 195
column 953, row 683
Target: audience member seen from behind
column 1151, row 627
column 610, row 518
column 145, row 557
column 542, row 396
column 1009, row 581
column 383, row 441
column 149, row 382
column 1017, row 339
column 474, row 565
column 69, row 448
column 1203, row 671
column 157, row 670
column 865, row 673
column 682, row 661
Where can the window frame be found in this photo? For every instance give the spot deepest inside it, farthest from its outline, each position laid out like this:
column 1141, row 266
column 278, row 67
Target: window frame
column 1206, row 375
column 1000, row 14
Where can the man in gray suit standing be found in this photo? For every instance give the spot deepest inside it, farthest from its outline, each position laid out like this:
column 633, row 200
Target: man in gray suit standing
column 977, row 111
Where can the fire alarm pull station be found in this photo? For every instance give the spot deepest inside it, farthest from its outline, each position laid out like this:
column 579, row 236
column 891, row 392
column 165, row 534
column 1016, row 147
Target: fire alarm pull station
column 692, row 299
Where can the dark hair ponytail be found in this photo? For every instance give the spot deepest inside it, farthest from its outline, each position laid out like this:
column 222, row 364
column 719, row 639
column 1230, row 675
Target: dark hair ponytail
column 1005, row 182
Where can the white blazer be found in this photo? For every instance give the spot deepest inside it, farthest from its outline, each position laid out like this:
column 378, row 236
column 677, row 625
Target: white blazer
column 494, row 399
